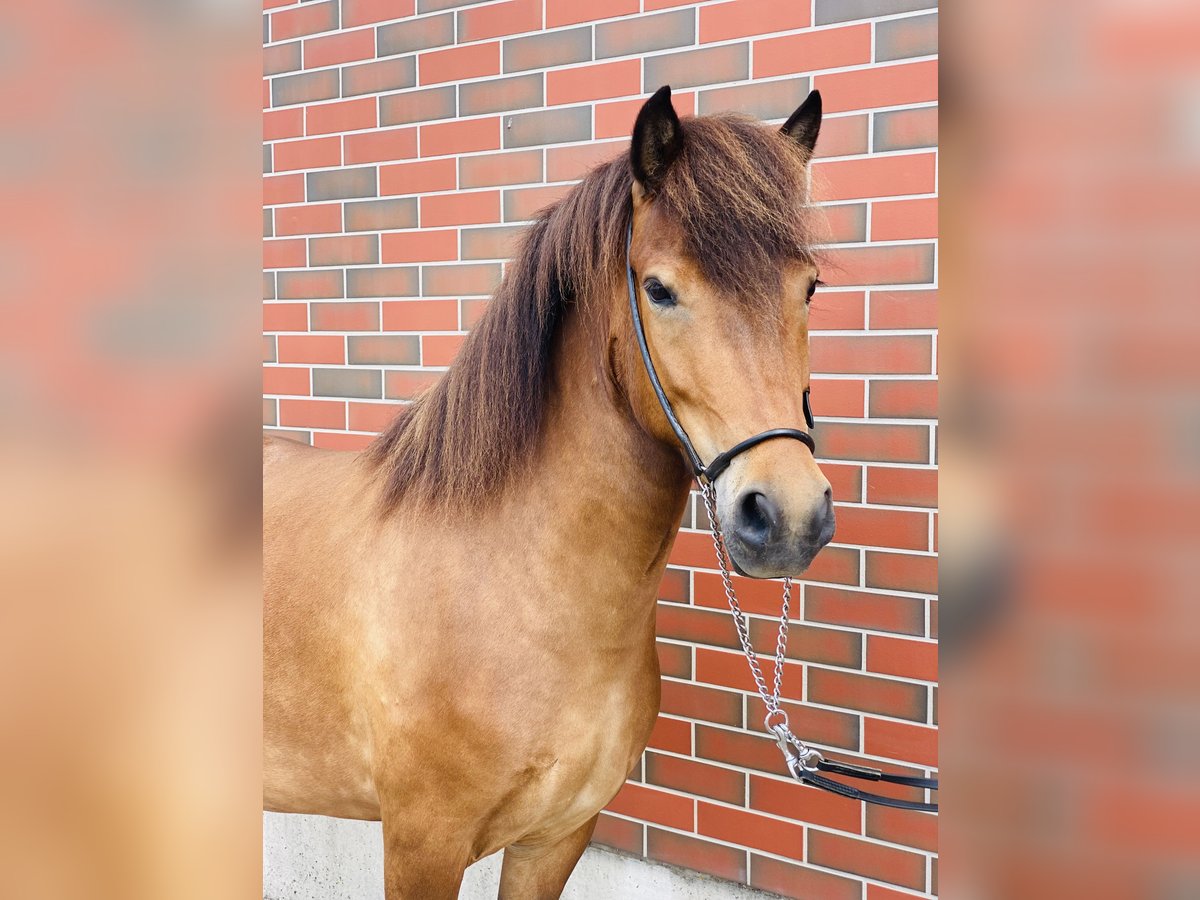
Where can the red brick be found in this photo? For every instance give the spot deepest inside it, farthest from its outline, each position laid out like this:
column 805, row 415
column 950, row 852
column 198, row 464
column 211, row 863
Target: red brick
column 620, row 834
column 650, row 5
column 460, row 137
column 904, row 399
column 418, row 177
column 755, row 595
column 280, row 58
column 903, row 826
column 653, row 806
column 744, row 18
column 285, row 317
column 365, row 12
column 813, row 50
column 357, row 249
column 337, row 440
column 283, row 254
column 903, row 309
column 613, row 79
column 308, row 18
column 440, row 349
column 858, row 609
column 671, row 734
column 572, row 163
column 346, row 46
column 800, row 882
column 419, row 246
column 842, row 136
column 841, row 310
column 878, row 86
column 674, row 660
column 901, row 571
column 810, row 644
column 460, row 209
column 738, row 748
column 840, row 397
column 345, row 316
column 874, row 443
column 312, row 348
column 904, row 220
column 695, row 701
column 898, row 740
column 697, row 855
column 309, row 284
column 569, row 12
column 904, row 658
column 311, row 154
column 877, row 176
column 902, row 486
column 348, row 115
column 872, row 354
column 821, row 726
column 312, row 413
column 458, row 63
column 472, row 311
column 378, row 146
column 283, row 123
column 684, row 623
column 283, row 188
column 286, row 380
column 869, row 860
column 372, row 417
column 615, row 119
column 749, row 830
column 901, row 529
column 495, row 169
column 879, row 892
column 694, row 777
column 404, row 385
column 892, row 264
column 321, row 218
column 730, row 669
column 846, row 481
column 499, row 20
column 806, row 804
column 848, row 690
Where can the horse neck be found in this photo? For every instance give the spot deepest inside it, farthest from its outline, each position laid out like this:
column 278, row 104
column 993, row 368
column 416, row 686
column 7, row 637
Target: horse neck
column 611, row 496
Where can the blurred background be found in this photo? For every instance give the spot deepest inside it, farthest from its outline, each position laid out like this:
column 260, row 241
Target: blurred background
column 1070, row 458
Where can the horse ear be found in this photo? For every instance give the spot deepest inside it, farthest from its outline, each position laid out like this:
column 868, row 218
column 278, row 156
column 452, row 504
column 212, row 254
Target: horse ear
column 657, row 140
column 804, row 124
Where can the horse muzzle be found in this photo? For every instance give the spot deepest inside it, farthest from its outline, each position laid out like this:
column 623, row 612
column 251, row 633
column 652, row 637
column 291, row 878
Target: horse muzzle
column 767, row 540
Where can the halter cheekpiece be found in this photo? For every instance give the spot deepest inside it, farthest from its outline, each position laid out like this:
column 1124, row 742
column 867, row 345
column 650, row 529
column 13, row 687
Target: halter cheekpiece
column 804, row 763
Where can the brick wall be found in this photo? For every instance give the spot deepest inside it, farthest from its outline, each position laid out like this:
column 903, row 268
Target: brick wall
column 405, row 143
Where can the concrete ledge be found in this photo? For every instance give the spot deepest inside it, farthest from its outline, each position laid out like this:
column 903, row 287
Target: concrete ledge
column 318, row 858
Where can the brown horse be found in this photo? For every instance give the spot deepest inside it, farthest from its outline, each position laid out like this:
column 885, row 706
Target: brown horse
column 459, row 624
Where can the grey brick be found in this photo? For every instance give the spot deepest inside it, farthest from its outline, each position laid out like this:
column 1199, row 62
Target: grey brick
column 383, row 350
column 268, row 223
column 907, row 37
column 381, row 215
column 268, row 285
column 829, row 11
column 342, row 184
column 417, row 106
column 382, row 75
column 499, row 94
column 305, row 87
column 383, row 281
column 269, row 352
column 270, row 411
column 764, row 100
column 268, row 167
column 366, row 384
column 690, row 68
column 626, row 37
column 414, row 34
column 540, row 51
column 549, row 126
column 424, row 6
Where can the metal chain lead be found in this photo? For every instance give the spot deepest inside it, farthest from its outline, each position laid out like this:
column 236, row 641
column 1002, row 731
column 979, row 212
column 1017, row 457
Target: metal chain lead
column 795, row 751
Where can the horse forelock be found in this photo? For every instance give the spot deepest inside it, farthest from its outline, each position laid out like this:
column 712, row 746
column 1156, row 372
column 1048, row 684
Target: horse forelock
column 738, row 192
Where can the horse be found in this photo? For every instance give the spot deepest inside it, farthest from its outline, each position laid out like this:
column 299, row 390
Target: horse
column 459, row 621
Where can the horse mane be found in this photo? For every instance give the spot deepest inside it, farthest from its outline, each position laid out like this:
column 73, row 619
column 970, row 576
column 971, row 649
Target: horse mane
column 738, row 189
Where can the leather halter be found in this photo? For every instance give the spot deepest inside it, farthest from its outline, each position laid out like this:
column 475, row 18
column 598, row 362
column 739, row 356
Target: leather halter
column 721, row 462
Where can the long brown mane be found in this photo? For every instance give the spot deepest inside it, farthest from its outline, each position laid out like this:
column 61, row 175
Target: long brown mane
column 738, row 189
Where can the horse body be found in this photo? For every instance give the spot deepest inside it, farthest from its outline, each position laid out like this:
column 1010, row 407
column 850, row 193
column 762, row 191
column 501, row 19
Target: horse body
column 481, row 681
column 459, row 623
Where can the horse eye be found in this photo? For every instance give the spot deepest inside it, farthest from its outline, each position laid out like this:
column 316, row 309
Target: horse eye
column 658, row 292
column 812, row 288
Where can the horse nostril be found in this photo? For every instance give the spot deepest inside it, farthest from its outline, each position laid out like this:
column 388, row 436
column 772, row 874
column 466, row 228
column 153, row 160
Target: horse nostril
column 756, row 518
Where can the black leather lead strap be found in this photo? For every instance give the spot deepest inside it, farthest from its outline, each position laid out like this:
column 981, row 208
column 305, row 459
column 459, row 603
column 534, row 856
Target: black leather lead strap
column 836, row 787
column 721, row 463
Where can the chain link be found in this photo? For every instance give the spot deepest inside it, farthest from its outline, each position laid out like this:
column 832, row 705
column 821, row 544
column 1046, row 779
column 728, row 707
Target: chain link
column 794, row 750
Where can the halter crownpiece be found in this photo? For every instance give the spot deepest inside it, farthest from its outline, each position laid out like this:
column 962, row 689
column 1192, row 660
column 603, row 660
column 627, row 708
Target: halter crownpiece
column 721, row 462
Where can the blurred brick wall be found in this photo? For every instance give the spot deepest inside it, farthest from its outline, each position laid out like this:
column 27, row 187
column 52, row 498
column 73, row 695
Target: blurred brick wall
column 405, row 143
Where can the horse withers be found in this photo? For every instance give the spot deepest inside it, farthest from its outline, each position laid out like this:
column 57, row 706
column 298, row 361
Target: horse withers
column 459, row 622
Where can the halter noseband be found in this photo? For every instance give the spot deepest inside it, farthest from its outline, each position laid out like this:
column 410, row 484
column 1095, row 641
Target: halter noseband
column 721, row 462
